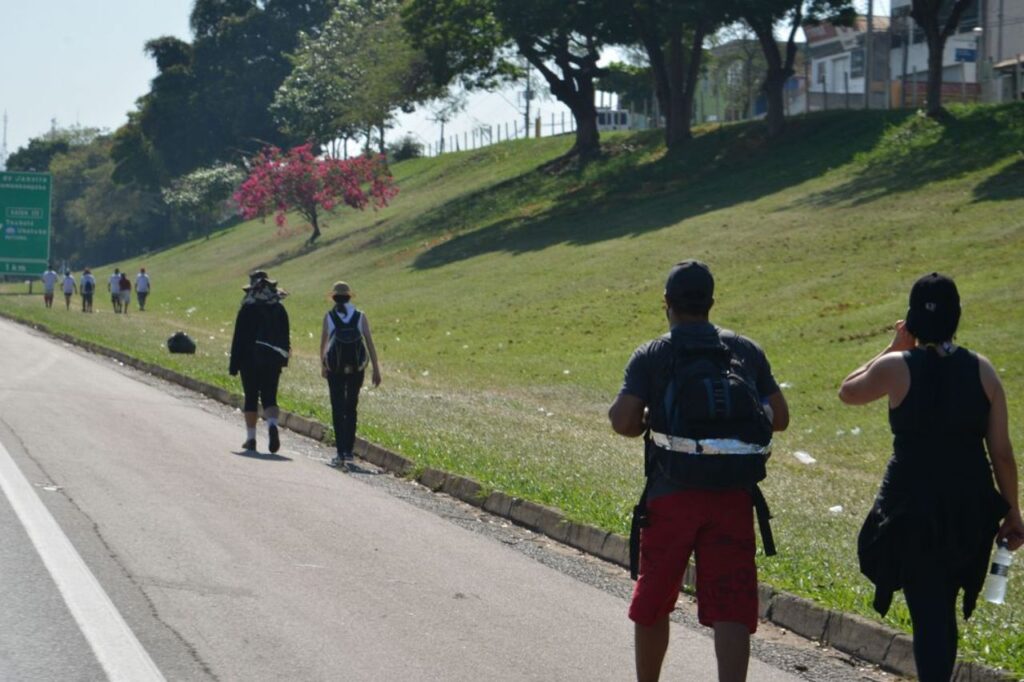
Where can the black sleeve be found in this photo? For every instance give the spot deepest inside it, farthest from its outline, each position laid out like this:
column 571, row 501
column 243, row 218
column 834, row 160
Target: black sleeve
column 239, row 340
column 286, row 340
column 636, row 379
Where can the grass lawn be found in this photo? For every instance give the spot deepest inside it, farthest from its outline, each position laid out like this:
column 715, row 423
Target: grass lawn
column 505, row 301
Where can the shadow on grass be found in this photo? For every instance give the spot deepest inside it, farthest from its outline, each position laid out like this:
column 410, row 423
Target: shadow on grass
column 1006, row 185
column 630, row 192
column 920, row 150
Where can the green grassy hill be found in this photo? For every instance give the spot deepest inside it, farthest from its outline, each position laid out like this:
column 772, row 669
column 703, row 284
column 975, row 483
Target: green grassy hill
column 505, row 300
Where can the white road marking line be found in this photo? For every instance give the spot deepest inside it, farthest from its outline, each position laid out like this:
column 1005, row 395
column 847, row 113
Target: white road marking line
column 115, row 645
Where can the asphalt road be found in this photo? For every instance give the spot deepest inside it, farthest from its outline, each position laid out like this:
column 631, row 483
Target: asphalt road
column 209, row 564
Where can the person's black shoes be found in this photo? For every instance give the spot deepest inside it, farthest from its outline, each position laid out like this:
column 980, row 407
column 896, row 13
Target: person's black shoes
column 275, row 439
column 249, row 445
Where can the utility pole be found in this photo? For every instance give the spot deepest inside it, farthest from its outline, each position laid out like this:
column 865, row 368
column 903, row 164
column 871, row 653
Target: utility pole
column 869, row 55
column 908, row 35
column 528, row 96
column 999, row 37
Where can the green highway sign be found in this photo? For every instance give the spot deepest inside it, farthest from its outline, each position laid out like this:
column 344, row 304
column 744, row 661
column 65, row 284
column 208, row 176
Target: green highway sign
column 24, row 223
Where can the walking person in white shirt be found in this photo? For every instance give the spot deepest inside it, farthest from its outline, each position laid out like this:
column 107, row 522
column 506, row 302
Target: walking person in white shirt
column 114, row 287
column 49, row 282
column 69, row 287
column 346, row 347
column 142, row 288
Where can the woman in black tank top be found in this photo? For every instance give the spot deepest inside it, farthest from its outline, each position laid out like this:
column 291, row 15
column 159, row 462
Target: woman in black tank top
column 937, row 513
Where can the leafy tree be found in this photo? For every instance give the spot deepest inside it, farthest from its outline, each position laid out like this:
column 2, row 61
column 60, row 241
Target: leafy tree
column 673, row 33
column 406, row 147
column 763, row 16
column 203, row 195
column 469, row 42
column 279, row 182
column 210, row 100
column 40, row 151
column 445, row 109
column 354, row 75
column 95, row 219
column 938, row 20
column 36, row 155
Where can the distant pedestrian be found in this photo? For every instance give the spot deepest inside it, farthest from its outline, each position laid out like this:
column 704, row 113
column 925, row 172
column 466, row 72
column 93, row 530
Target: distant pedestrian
column 87, row 287
column 69, row 287
column 259, row 351
column 346, row 345
column 931, row 528
column 114, row 287
column 125, row 291
column 142, row 288
column 49, row 282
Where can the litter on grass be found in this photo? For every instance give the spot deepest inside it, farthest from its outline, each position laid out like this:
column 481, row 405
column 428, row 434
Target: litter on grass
column 838, row 509
column 804, row 457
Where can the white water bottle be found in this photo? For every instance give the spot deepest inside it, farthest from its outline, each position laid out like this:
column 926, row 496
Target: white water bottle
column 995, row 584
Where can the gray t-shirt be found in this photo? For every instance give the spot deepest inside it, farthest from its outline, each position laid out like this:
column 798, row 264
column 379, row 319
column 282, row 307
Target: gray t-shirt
column 645, row 372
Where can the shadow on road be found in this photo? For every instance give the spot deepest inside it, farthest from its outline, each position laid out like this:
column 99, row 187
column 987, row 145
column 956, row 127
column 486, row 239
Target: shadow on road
column 266, row 456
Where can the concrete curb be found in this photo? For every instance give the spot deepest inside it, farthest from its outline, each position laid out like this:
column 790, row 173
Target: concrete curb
column 870, row 641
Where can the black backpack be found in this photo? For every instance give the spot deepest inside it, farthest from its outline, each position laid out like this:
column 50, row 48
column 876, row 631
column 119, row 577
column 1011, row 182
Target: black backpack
column 87, row 286
column 346, row 349
column 181, row 343
column 707, row 395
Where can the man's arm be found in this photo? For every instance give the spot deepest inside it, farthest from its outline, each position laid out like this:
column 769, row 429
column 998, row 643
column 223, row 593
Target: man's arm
column 627, row 415
column 780, row 411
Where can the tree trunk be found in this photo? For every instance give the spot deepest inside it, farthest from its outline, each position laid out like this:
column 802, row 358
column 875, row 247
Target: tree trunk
column 588, row 138
column 936, row 46
column 677, row 124
column 775, row 118
column 315, row 222
column 574, row 87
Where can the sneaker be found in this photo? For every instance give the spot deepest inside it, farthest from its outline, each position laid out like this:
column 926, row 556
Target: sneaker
column 275, row 439
column 249, row 445
column 335, row 461
column 349, row 457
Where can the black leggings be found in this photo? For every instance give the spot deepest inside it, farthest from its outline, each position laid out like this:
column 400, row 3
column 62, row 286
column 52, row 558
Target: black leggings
column 931, row 598
column 259, row 383
column 344, row 400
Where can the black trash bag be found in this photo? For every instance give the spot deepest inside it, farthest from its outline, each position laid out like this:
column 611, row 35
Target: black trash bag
column 181, row 343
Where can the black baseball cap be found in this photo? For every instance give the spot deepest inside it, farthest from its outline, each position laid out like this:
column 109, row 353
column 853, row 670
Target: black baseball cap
column 934, row 311
column 690, row 281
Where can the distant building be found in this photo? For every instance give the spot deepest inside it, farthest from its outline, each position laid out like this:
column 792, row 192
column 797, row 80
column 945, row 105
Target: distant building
column 1001, row 45
column 729, row 88
column 844, row 65
column 908, row 58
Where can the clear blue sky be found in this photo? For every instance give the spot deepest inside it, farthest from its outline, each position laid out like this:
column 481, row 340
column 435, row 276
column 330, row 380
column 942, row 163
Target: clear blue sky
column 82, row 62
column 78, row 62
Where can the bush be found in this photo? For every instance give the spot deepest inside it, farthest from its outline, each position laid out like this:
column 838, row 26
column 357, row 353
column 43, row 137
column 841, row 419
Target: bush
column 408, row 147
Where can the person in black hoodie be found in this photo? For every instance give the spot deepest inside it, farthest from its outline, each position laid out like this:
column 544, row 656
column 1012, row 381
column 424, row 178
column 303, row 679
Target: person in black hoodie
column 259, row 350
column 931, row 528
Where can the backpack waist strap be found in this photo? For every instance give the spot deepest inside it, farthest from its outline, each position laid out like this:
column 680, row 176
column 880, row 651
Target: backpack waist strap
column 708, row 446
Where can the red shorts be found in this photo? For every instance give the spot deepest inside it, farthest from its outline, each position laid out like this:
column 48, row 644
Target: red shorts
column 719, row 526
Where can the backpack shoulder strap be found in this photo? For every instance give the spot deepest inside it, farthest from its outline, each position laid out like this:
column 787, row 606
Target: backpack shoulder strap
column 335, row 318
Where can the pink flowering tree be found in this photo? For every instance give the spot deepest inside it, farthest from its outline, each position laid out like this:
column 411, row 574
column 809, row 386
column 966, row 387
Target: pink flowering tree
column 298, row 181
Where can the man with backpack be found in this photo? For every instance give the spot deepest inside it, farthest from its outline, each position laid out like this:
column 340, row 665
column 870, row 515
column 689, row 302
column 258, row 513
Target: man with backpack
column 346, row 346
column 706, row 402
column 87, row 287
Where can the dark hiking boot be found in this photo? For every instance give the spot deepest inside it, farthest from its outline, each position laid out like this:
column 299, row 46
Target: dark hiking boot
column 275, row 438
